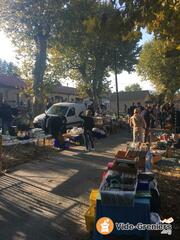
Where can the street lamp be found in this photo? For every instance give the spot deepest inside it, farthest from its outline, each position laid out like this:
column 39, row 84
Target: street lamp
column 116, row 81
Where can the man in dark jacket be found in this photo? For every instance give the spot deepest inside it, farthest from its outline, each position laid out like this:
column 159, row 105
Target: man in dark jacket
column 6, row 116
column 88, row 125
column 56, row 126
column 131, row 109
column 146, row 114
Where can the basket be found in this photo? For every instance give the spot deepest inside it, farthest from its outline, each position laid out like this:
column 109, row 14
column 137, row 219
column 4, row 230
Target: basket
column 90, row 218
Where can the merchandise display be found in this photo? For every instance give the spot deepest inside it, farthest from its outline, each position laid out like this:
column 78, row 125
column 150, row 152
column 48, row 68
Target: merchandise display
column 128, row 191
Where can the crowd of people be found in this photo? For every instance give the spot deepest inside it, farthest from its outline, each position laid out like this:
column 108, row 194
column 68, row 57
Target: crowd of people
column 142, row 118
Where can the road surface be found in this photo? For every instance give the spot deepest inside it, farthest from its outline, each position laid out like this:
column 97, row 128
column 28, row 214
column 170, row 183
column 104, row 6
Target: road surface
column 46, row 199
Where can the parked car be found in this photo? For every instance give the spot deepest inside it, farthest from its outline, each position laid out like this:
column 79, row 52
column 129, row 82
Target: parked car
column 70, row 111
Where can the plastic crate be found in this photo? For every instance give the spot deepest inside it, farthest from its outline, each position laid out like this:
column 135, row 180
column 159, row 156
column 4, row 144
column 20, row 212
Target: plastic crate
column 90, row 218
column 93, row 196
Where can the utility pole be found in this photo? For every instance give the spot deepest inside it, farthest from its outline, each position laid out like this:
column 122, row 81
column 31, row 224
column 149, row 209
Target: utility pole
column 0, row 154
column 116, row 81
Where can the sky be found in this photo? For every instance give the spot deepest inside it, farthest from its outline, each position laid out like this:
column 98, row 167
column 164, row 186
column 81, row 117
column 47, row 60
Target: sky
column 125, row 79
column 7, row 52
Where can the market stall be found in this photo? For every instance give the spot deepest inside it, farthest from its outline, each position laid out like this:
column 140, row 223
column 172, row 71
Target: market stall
column 127, row 194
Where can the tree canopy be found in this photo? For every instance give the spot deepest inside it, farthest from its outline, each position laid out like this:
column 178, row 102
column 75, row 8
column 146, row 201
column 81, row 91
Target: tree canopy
column 79, row 39
column 7, row 68
column 133, row 87
column 162, row 71
column 91, row 42
column 160, row 17
column 81, row 34
column 31, row 25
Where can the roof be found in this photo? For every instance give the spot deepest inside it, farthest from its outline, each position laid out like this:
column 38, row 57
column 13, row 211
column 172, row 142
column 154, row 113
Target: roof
column 64, row 90
column 131, row 96
column 11, row 81
column 68, row 104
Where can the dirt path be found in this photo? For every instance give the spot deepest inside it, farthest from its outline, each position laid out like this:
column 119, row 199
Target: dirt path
column 46, row 199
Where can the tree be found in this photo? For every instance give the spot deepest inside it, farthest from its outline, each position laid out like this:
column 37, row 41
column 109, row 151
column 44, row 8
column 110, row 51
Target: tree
column 8, row 68
column 160, row 17
column 87, row 51
column 163, row 72
column 133, row 87
column 31, row 25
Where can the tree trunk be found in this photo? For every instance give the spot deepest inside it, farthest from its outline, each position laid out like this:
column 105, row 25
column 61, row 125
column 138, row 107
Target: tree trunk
column 98, row 78
column 38, row 73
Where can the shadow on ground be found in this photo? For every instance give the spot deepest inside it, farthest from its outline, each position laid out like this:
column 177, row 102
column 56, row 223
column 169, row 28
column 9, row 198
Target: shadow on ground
column 46, row 199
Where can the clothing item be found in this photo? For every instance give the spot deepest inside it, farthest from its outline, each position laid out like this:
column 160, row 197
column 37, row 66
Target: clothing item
column 137, row 121
column 88, row 139
column 138, row 134
column 146, row 115
column 131, row 110
column 88, row 123
column 6, row 112
column 55, row 125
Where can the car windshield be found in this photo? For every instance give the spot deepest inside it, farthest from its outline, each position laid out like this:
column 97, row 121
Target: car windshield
column 57, row 110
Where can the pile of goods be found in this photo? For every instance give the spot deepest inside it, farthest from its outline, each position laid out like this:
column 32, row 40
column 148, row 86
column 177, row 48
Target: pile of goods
column 106, row 125
column 118, row 188
column 126, row 180
column 74, row 135
column 24, row 136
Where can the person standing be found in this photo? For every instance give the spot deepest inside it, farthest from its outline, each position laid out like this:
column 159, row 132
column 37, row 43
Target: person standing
column 163, row 117
column 138, row 124
column 56, row 126
column 131, row 109
column 88, row 125
column 6, row 116
column 130, row 114
column 49, row 104
column 146, row 115
column 140, row 107
column 125, row 108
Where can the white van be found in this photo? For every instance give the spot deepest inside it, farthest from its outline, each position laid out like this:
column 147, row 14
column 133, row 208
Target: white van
column 70, row 111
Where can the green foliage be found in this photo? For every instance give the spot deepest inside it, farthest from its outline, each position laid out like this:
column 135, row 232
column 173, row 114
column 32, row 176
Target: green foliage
column 31, row 25
column 133, row 87
column 162, row 71
column 8, row 68
column 160, row 17
column 86, row 52
column 76, row 39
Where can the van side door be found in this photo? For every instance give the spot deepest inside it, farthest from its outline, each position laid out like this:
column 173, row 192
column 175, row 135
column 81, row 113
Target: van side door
column 71, row 117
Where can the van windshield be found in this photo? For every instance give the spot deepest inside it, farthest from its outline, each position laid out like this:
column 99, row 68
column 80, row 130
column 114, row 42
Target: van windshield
column 58, row 110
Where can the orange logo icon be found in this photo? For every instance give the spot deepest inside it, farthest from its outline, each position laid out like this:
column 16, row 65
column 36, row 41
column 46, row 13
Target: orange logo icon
column 104, row 225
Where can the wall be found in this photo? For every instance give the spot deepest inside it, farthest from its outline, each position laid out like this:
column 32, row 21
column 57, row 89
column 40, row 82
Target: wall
column 113, row 105
column 11, row 95
column 63, row 97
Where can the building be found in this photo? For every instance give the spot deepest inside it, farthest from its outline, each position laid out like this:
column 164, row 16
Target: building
column 10, row 87
column 127, row 98
column 60, row 93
